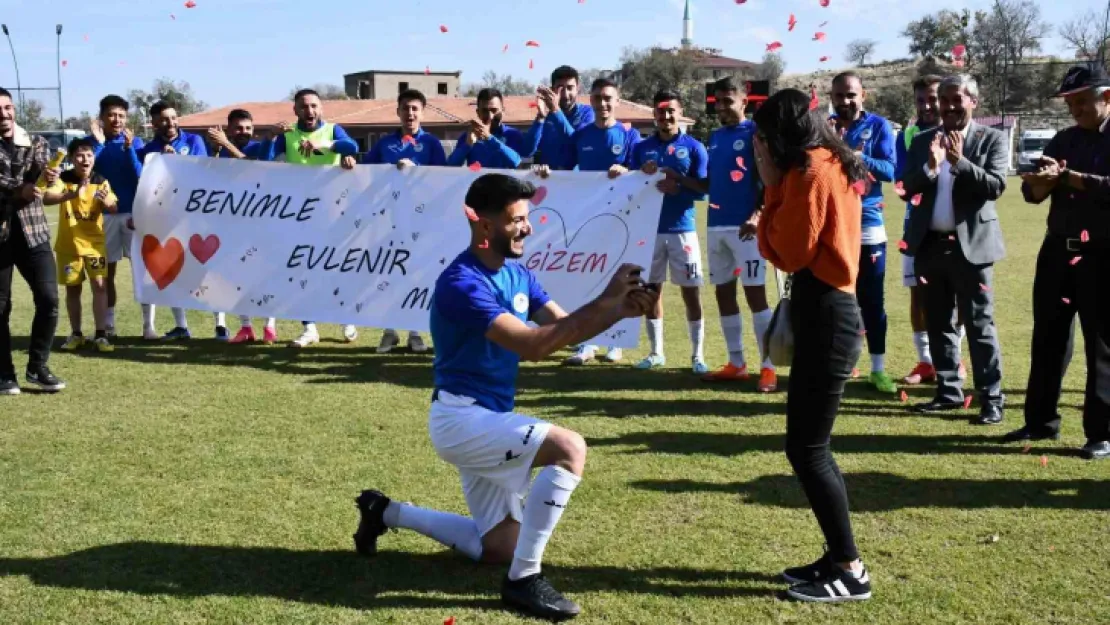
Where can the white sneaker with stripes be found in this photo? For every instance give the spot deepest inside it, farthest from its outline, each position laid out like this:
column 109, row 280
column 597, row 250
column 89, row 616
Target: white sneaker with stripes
column 835, row 587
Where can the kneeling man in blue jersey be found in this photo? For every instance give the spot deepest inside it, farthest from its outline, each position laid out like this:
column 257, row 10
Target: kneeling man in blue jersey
column 480, row 309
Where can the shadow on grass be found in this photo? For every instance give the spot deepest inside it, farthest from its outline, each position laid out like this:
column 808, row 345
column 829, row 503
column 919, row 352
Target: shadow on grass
column 728, row 444
column 342, row 578
column 883, row 492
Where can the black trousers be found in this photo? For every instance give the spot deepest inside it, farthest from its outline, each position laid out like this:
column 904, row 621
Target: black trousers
column 1060, row 291
column 827, row 343
column 36, row 265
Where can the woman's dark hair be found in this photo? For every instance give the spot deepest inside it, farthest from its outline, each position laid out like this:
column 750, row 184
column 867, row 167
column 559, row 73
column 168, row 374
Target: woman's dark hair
column 791, row 129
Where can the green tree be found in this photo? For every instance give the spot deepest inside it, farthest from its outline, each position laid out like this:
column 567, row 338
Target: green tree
column 30, row 116
column 934, row 36
column 894, row 102
column 771, row 69
column 179, row 93
column 505, row 83
column 859, row 50
column 327, row 91
column 1088, row 35
column 1000, row 41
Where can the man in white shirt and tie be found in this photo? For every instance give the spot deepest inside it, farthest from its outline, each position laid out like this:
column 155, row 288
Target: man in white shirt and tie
column 957, row 171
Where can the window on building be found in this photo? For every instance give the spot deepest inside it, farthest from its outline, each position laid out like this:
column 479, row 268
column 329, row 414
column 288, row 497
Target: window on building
column 402, row 87
column 716, row 73
column 442, row 88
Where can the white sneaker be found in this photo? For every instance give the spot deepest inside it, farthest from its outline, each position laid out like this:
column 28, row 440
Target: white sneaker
column 615, row 354
column 350, row 333
column 699, row 366
column 416, row 344
column 388, row 342
column 584, row 354
column 150, row 334
column 305, row 339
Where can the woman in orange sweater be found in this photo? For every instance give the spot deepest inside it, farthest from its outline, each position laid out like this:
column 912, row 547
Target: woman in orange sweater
column 810, row 227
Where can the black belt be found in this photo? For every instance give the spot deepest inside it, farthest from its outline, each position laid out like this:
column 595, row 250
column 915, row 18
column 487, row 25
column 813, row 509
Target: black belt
column 1076, row 244
column 943, row 237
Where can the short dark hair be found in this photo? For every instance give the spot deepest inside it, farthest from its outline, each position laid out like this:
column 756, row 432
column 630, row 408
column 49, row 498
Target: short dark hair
column 489, row 93
column 791, row 130
column 80, row 142
column 491, row 194
column 412, row 94
column 113, row 101
column 728, row 85
column 603, row 83
column 303, row 92
column 239, row 115
column 666, row 95
column 563, row 72
column 159, row 106
column 847, row 76
column 926, row 81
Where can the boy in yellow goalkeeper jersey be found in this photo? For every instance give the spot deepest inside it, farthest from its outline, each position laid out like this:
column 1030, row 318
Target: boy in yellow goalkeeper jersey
column 83, row 197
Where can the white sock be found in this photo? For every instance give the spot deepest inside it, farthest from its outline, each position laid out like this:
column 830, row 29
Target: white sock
column 655, row 335
column 244, row 321
column 310, row 328
column 271, row 323
column 179, row 319
column 732, row 327
column 450, row 530
column 697, row 338
column 921, row 342
column 110, row 318
column 544, row 507
column 148, row 317
column 221, row 319
column 877, row 363
column 761, row 321
column 962, row 332
column 413, row 333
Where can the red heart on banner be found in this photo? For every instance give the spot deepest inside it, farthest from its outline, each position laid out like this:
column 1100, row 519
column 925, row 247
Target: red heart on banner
column 163, row 262
column 541, row 194
column 204, row 249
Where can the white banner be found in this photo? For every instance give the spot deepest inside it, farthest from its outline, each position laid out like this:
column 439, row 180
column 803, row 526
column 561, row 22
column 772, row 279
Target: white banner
column 366, row 246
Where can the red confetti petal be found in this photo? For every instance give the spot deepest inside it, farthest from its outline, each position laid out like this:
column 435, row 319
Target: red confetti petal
column 823, row 59
column 923, row 280
column 86, row 37
column 484, row 245
column 774, row 45
column 543, row 219
column 824, row 3
column 875, row 258
column 870, row 177
column 741, row 1
column 475, row 166
column 442, row 28
column 1044, row 461
column 1083, row 236
column 531, row 64
column 958, row 50
column 984, row 288
column 737, row 271
column 791, row 23
column 860, row 187
column 967, row 402
column 916, row 200
column 902, row 245
column 670, row 149
column 505, row 49
column 531, row 44
column 740, row 162
column 427, row 70
column 903, row 397
column 470, row 214
column 1066, row 300
column 64, row 62
column 1075, row 261
column 449, row 621
column 818, row 36
column 190, row 4
column 900, row 189
column 687, row 249
column 532, row 105
column 736, row 175
column 641, row 243
column 714, row 206
column 408, row 139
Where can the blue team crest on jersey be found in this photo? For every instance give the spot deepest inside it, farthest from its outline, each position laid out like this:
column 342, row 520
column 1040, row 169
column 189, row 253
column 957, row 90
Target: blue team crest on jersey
column 651, row 155
column 617, row 149
column 419, row 147
column 738, row 145
column 520, row 303
column 866, row 134
column 682, row 153
column 185, row 149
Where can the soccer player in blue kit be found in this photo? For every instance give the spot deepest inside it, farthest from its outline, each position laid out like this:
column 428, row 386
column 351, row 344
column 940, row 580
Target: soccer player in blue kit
column 558, row 117
column 873, row 140
column 604, row 145
column 735, row 204
column 479, row 313
column 488, row 142
column 684, row 161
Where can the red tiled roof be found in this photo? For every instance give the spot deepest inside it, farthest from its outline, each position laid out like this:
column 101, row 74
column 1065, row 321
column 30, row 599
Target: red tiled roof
column 355, row 113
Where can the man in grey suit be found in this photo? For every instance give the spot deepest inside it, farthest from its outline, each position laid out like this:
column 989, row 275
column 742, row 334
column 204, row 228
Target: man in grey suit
column 958, row 170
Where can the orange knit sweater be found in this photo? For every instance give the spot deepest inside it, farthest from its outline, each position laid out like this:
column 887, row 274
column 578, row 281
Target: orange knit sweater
column 813, row 220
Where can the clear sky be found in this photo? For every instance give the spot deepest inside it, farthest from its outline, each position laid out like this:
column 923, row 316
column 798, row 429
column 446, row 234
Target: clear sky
column 256, row 50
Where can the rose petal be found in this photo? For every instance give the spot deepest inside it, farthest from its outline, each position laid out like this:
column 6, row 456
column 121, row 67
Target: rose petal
column 904, row 397
column 543, row 219
column 641, row 242
column 818, row 36
column 859, row 187
column 475, row 166
column 531, row 64
column 823, row 59
column 774, row 45
column 923, row 280
column 1083, row 236
column 824, row 3
column 484, row 245
column 670, row 149
column 442, row 28
column 1075, row 261
column 1044, row 461
column 984, row 288
column 967, row 402
column 740, row 162
column 902, row 245
column 190, row 4
column 531, row 44
column 1066, row 300
column 505, row 49
column 714, row 206
column 737, row 271
column 916, row 200
column 687, row 249
column 736, row 175
column 470, row 214
column 900, row 188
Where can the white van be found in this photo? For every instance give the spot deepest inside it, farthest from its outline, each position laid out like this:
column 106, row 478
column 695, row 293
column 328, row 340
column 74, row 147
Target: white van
column 1031, row 147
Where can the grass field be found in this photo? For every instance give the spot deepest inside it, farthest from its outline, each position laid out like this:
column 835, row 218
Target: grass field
column 209, row 483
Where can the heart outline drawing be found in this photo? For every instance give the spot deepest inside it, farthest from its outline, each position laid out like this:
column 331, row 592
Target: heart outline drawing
column 163, row 262
column 204, row 249
column 568, row 241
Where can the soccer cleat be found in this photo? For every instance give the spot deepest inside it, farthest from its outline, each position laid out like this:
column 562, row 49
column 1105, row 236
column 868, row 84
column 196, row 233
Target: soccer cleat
column 388, row 342
column 103, row 346
column 150, row 334
column 584, row 354
column 42, row 378
column 371, row 508
column 699, row 367
column 1095, row 450
column 768, row 380
column 728, row 373
column 9, row 385
column 269, row 336
column 416, row 344
column 614, row 354
column 244, row 335
column 350, row 334
column 923, row 372
column 810, row 572
column 653, row 361
column 73, row 343
column 882, row 382
column 178, row 334
column 306, row 338
column 222, row 334
column 1028, row 433
column 536, row 596
column 836, row 587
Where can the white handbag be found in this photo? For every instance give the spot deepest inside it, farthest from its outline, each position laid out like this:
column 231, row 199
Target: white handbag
column 778, row 342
